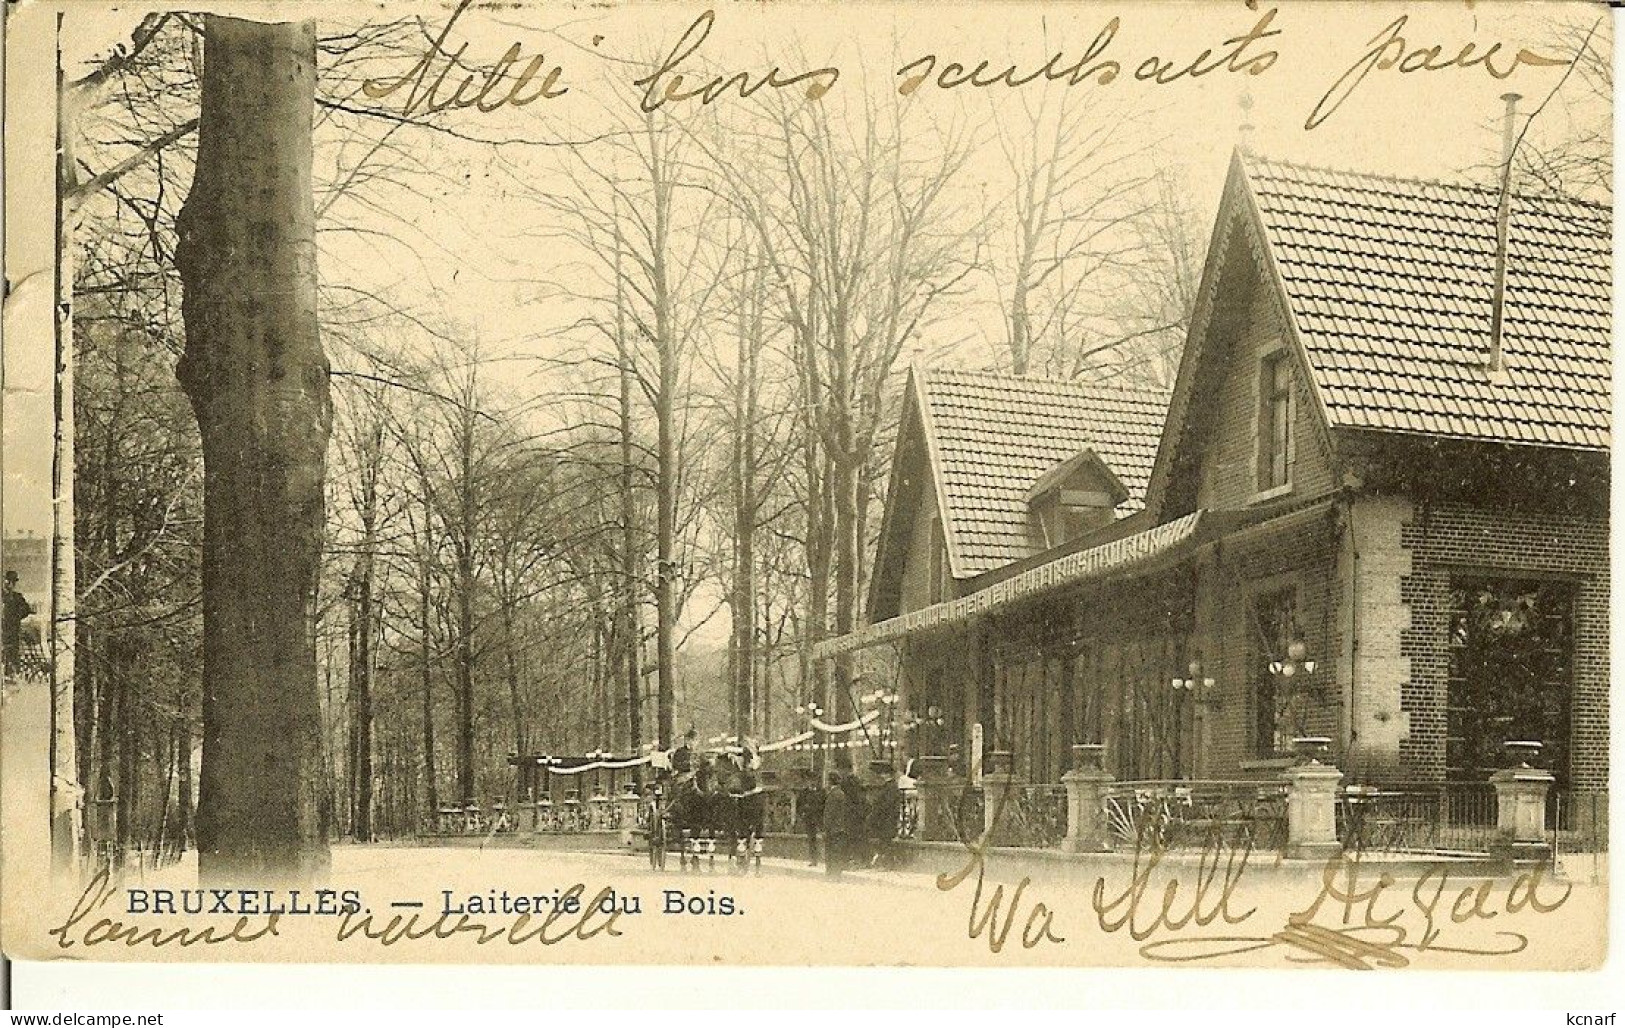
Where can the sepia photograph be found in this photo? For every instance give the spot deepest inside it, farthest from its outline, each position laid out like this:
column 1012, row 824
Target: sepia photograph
column 1071, row 485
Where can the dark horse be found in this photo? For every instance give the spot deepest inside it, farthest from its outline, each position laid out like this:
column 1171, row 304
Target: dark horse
column 714, row 807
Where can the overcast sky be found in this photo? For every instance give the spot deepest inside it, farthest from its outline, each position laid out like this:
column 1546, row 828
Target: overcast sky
column 482, row 254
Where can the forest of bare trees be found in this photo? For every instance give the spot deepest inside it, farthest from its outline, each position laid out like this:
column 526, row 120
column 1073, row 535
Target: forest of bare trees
column 631, row 504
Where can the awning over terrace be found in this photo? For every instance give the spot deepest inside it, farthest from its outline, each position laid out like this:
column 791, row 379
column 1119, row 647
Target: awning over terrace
column 1107, row 559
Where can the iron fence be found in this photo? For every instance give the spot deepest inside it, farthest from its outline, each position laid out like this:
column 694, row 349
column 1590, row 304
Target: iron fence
column 1032, row 816
column 1418, row 817
column 948, row 814
column 908, row 816
column 1169, row 815
column 1578, row 820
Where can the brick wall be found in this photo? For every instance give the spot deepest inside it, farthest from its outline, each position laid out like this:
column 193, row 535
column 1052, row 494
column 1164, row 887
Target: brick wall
column 1229, row 458
column 924, row 538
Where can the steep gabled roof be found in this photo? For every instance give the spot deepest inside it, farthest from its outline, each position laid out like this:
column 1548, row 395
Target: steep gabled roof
column 1390, row 282
column 1385, row 287
column 992, row 436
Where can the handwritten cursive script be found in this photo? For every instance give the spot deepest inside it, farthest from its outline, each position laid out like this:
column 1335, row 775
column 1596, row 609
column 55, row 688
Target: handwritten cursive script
column 1367, row 916
column 78, row 929
column 567, row 919
column 1389, row 49
column 666, row 84
column 1040, row 924
column 483, row 94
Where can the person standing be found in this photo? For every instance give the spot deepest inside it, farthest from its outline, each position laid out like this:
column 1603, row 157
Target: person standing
column 841, row 817
column 16, row 608
column 884, row 809
column 810, row 808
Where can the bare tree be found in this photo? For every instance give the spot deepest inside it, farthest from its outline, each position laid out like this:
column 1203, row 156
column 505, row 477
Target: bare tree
column 257, row 378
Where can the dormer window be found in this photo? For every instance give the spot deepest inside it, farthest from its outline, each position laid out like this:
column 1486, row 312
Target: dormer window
column 1274, row 421
column 1075, row 497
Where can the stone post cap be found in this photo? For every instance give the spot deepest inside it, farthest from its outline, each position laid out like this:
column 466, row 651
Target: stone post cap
column 1094, row 774
column 1523, row 775
column 931, row 769
column 1313, row 771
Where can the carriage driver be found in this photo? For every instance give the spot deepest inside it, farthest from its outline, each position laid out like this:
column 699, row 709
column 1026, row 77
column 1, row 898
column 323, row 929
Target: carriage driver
column 682, row 758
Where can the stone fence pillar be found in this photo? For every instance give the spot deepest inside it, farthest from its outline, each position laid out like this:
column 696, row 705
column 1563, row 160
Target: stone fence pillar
column 1087, row 785
column 1311, row 811
column 933, row 792
column 1520, row 801
column 999, row 796
column 628, row 802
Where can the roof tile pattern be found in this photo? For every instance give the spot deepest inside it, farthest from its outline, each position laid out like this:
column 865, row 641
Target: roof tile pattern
column 995, row 435
column 1391, row 281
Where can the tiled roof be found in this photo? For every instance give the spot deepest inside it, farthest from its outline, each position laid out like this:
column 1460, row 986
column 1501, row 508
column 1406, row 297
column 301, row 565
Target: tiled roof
column 993, row 436
column 1390, row 283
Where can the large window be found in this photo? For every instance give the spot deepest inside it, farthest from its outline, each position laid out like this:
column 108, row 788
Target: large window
column 1274, row 421
column 1511, row 657
column 1273, row 619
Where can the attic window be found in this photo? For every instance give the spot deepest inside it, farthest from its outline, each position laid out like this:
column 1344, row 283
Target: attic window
column 1274, row 421
column 1077, row 496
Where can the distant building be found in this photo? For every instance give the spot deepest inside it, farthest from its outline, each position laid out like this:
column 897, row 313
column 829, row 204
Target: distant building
column 1360, row 515
column 30, row 556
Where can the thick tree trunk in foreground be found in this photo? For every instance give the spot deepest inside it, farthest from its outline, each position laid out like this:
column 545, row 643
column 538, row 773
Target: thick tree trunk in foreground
column 258, row 382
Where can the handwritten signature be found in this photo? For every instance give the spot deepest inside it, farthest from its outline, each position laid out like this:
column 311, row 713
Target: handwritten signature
column 1368, row 931
column 1359, row 917
column 567, row 920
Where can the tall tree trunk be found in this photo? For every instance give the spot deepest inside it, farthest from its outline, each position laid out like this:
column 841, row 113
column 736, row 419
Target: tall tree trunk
column 510, row 643
column 465, row 613
column 631, row 588
column 103, row 795
column 183, row 800
column 69, row 713
column 129, row 748
column 743, row 598
column 257, row 379
column 425, row 636
column 361, row 632
column 666, row 470
column 163, row 760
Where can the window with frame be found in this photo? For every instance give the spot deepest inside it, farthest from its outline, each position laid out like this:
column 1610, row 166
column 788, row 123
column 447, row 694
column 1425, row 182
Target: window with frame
column 1274, row 614
column 1275, row 410
column 1511, row 672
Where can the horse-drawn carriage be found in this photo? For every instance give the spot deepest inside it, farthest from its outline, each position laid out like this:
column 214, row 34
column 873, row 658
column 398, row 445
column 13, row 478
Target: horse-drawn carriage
column 710, row 808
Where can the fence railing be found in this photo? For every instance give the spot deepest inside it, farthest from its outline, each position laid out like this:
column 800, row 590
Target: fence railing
column 1193, row 814
column 1032, row 816
column 571, row 816
column 1578, row 820
column 1418, row 817
column 952, row 814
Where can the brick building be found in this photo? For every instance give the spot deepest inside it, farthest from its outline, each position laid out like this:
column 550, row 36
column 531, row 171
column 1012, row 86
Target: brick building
column 1374, row 508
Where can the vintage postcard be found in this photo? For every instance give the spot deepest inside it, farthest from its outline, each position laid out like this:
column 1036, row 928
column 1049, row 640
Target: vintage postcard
column 1066, row 484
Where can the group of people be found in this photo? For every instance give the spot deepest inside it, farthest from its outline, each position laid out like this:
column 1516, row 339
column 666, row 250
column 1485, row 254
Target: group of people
column 857, row 815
